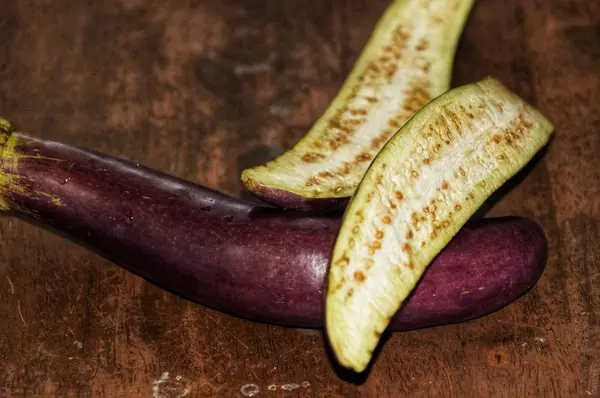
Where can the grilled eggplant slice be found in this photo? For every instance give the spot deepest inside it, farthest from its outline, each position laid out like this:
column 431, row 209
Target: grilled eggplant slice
column 406, row 63
column 419, row 191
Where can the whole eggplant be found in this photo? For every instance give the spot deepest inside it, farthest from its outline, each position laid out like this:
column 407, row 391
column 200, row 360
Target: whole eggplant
column 251, row 261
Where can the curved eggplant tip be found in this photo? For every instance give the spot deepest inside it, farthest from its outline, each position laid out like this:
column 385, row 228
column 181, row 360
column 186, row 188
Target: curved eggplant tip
column 540, row 244
column 514, row 254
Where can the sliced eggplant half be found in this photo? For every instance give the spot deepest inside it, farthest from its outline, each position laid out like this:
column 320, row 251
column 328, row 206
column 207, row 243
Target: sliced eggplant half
column 419, row 191
column 406, row 62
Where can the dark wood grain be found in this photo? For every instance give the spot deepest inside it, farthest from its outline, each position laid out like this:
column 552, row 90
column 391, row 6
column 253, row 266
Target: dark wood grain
column 202, row 89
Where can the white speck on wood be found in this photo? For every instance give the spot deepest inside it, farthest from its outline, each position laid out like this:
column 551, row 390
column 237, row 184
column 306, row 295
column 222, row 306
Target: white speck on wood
column 11, row 286
column 79, row 344
column 163, row 377
column 305, row 384
column 290, row 387
column 279, row 110
column 250, row 390
column 540, row 340
column 272, row 387
column 164, row 388
column 226, row 330
column 252, row 69
column 20, row 314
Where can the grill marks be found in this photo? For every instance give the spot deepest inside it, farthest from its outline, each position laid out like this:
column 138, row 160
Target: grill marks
column 349, row 118
column 446, row 163
column 374, row 245
column 363, row 157
column 514, row 132
column 449, row 126
column 435, row 218
column 359, row 276
column 397, row 75
column 311, row 157
column 385, row 67
column 362, row 99
column 415, row 99
column 361, row 272
column 437, row 215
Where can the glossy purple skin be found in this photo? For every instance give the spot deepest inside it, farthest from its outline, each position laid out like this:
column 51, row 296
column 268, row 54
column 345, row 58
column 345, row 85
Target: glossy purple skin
column 250, row 261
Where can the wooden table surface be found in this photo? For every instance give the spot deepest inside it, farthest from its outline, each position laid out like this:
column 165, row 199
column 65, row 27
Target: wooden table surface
column 202, row 89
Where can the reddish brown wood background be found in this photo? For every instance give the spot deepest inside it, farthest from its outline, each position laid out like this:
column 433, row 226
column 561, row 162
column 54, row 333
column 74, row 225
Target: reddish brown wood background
column 202, row 89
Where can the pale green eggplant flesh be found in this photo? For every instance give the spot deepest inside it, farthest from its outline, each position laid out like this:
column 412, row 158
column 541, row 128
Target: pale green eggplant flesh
column 419, row 191
column 406, row 62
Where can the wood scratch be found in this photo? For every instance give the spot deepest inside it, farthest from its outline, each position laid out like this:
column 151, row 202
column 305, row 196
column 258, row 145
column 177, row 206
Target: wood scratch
column 229, row 366
column 295, row 349
column 111, row 321
column 225, row 329
column 220, row 354
column 44, row 351
column 447, row 376
column 20, row 314
column 11, row 286
column 92, row 303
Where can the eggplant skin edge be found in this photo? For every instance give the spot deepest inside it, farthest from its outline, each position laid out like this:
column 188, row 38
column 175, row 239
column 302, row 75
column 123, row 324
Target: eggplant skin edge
column 288, row 200
column 254, row 262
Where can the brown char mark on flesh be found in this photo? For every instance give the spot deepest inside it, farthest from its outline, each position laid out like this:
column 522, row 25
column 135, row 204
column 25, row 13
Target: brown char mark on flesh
column 341, row 130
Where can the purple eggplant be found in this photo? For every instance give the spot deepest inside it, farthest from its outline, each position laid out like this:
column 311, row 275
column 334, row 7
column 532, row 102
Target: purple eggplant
column 252, row 261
